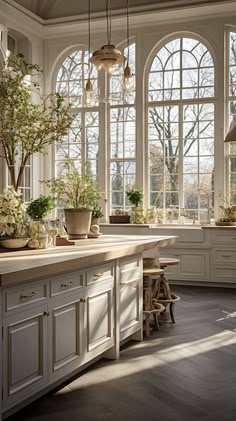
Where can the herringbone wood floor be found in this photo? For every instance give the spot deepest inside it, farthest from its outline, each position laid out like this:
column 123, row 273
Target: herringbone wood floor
column 185, row 372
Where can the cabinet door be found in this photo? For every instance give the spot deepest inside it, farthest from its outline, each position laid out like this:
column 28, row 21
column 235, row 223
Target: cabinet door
column 99, row 319
column 130, row 307
column 194, row 264
column 25, row 355
column 65, row 335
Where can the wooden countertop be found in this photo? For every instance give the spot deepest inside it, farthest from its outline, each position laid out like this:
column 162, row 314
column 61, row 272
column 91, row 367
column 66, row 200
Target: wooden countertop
column 26, row 265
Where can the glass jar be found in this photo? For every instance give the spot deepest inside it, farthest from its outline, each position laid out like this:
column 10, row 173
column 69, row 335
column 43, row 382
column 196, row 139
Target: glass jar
column 37, row 227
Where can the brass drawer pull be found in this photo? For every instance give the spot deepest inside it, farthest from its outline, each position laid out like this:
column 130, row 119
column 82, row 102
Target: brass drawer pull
column 27, row 296
column 82, row 300
column 67, row 285
column 97, row 275
column 226, row 255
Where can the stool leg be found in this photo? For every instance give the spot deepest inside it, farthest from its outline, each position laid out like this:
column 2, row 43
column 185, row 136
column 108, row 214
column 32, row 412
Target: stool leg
column 155, row 316
column 147, row 324
column 172, row 312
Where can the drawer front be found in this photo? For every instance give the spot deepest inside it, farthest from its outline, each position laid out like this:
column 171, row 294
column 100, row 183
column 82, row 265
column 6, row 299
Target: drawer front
column 224, row 258
column 224, row 236
column 99, row 274
column 19, row 297
column 66, row 283
column 130, row 269
column 227, row 275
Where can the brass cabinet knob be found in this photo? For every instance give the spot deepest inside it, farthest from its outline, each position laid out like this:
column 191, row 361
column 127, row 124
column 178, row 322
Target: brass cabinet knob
column 46, row 313
column 82, row 300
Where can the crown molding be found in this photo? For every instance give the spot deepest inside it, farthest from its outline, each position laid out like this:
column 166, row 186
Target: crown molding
column 19, row 21
column 20, row 18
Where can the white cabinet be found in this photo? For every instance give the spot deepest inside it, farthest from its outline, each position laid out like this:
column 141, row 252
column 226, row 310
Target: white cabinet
column 194, row 264
column 25, row 354
column 66, row 331
column 224, row 255
column 99, row 319
column 54, row 326
column 130, row 296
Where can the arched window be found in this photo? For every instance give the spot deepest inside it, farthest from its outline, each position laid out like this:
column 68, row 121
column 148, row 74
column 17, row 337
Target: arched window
column 81, row 144
column 122, row 136
column 181, row 128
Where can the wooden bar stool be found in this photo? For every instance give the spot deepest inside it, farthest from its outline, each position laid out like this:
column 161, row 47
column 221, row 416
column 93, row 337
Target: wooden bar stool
column 163, row 293
column 149, row 310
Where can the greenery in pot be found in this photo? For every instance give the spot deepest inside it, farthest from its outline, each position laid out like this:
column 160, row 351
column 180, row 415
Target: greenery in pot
column 135, row 196
column 27, row 126
column 97, row 212
column 40, row 207
column 75, row 190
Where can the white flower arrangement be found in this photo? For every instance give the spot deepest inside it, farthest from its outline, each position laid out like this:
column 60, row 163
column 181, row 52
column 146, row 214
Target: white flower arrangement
column 11, row 213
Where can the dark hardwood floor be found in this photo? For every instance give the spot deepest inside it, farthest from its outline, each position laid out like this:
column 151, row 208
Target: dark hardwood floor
column 185, row 372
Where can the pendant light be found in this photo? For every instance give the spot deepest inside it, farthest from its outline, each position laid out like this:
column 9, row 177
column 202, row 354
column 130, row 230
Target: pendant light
column 128, row 85
column 89, row 96
column 108, row 55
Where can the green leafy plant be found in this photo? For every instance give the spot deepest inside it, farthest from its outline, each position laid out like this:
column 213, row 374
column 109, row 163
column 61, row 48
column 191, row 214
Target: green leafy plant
column 97, row 212
column 40, row 207
column 135, row 195
column 75, row 190
column 26, row 127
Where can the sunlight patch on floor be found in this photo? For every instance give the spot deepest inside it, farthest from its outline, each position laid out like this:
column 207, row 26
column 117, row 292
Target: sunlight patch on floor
column 131, row 366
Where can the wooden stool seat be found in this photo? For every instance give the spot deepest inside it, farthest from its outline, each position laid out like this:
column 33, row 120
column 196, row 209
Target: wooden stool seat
column 167, row 261
column 152, row 271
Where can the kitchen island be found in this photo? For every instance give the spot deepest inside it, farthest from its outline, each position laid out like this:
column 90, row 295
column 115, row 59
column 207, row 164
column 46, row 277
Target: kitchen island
column 66, row 307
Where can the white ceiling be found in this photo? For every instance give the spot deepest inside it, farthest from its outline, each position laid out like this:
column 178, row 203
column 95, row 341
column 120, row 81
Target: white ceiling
column 49, row 9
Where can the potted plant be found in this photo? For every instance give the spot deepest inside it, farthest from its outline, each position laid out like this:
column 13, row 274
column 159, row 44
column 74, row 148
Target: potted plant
column 96, row 214
column 13, row 232
column 37, row 209
column 27, row 127
column 40, row 207
column 79, row 193
column 135, row 196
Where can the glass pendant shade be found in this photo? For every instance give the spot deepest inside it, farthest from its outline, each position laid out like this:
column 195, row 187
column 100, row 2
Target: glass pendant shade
column 107, row 57
column 231, row 135
column 128, row 80
column 89, row 97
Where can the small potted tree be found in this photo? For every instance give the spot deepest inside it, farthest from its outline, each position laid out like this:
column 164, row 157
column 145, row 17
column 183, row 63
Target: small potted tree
column 135, row 196
column 96, row 214
column 79, row 194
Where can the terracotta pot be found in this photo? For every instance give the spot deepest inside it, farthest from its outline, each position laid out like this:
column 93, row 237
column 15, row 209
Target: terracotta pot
column 78, row 222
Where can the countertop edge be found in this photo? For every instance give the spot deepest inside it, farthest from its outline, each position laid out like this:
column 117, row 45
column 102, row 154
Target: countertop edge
column 50, row 269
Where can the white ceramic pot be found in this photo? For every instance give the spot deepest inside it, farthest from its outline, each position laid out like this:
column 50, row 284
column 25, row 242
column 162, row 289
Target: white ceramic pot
column 78, row 223
column 14, row 243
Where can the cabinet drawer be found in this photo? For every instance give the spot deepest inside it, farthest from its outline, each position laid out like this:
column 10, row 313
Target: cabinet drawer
column 99, row 273
column 19, row 297
column 64, row 283
column 129, row 264
column 224, row 257
column 224, row 236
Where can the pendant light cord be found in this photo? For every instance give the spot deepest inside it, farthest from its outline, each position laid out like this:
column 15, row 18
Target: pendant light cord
column 127, row 17
column 89, row 34
column 108, row 17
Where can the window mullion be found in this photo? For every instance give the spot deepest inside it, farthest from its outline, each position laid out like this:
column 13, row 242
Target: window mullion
column 181, row 157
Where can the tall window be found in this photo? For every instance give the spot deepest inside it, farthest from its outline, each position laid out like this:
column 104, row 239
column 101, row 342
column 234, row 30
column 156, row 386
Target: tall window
column 181, row 127
column 81, row 143
column 232, row 115
column 122, row 137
